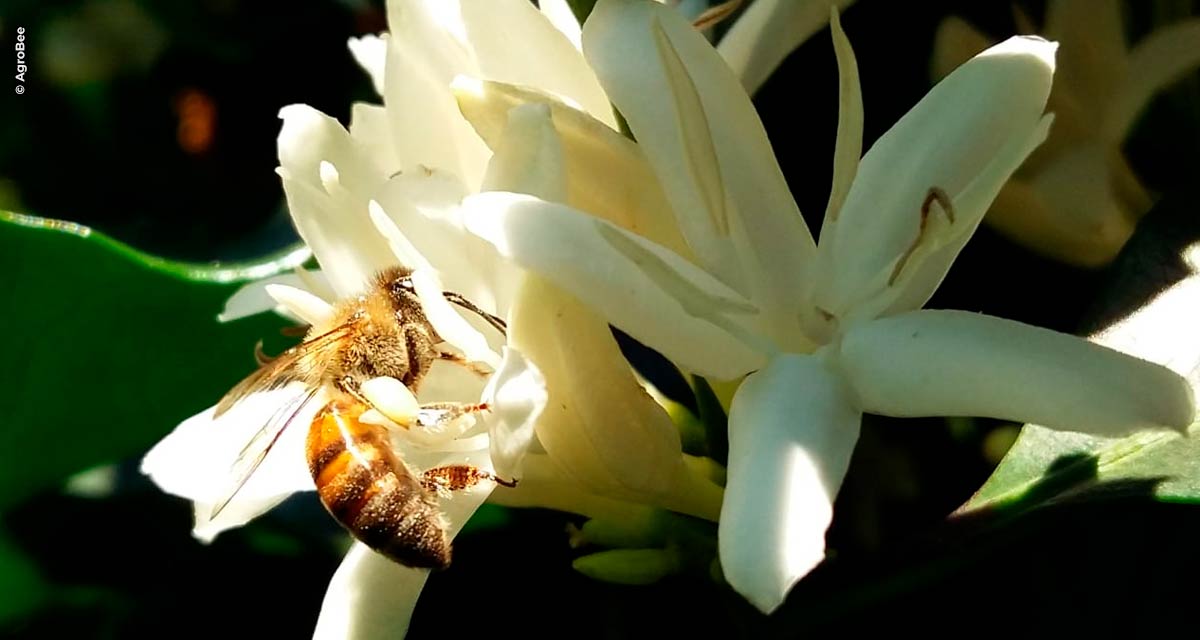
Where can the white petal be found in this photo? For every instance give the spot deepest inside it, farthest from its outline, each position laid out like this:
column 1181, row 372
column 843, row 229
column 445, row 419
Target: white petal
column 424, row 204
column 529, row 156
column 1164, row 329
column 405, row 252
column 848, row 148
column 450, row 382
column 371, row 597
column 195, row 461
column 546, row 485
column 767, row 32
column 948, row 140
column 792, row 429
column 652, row 294
column 596, row 156
column 301, row 304
column 708, row 147
column 928, row 265
column 449, row 324
column 546, row 58
column 955, row 363
column 425, row 127
column 517, row 395
column 600, row 426
column 559, row 13
column 328, row 177
column 371, row 127
column 253, row 298
column 370, row 52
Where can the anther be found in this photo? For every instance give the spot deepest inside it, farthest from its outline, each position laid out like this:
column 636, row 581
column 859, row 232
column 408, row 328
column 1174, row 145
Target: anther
column 938, row 195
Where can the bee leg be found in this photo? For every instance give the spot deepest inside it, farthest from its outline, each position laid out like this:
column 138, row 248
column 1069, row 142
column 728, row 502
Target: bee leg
column 458, row 359
column 261, row 356
column 457, row 477
column 438, row 414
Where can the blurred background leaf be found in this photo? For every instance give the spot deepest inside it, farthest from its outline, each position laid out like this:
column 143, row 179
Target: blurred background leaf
column 108, row 348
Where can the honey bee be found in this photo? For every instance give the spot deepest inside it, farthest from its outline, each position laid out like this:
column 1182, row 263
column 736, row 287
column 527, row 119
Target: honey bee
column 363, row 483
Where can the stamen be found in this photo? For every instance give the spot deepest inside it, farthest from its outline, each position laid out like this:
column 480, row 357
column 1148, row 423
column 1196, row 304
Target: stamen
column 938, row 195
column 713, row 16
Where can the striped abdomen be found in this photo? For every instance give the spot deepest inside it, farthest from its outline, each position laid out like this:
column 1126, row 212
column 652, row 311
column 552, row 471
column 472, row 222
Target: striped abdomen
column 371, row 491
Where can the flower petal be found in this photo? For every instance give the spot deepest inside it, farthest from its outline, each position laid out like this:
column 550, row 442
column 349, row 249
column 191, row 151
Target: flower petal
column 370, row 126
column 1093, row 56
column 546, row 58
column 848, row 148
column 597, row 157
column 327, row 177
column 1022, row 213
column 846, row 156
column 300, row 303
column 990, row 107
column 474, row 37
column 1162, row 58
column 1069, row 209
column 370, row 52
column 425, row 205
column 1163, row 330
column 544, row 484
column 196, row 459
column 253, row 298
column 767, row 32
column 928, row 264
column 654, row 295
column 371, row 597
column 955, row 43
column 601, row 427
column 517, row 396
column 426, row 131
column 449, row 324
column 708, row 147
column 792, row 429
column 559, row 13
column 528, row 158
column 955, row 363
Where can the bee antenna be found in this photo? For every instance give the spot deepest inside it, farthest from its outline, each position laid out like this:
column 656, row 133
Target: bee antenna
column 458, row 299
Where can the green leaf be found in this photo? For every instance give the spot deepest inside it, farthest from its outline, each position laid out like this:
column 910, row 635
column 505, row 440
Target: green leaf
column 1152, row 310
column 1046, row 466
column 22, row 589
column 107, row 348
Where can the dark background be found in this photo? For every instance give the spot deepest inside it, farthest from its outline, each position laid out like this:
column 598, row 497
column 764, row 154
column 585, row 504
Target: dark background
column 155, row 122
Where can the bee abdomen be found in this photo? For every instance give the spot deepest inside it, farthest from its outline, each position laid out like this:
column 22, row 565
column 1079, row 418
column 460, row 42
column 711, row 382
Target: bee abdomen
column 373, row 493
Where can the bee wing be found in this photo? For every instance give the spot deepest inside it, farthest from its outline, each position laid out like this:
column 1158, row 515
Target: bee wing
column 285, row 368
column 289, row 367
column 255, row 451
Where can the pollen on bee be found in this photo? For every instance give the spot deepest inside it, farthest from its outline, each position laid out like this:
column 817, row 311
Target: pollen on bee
column 391, row 398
